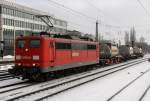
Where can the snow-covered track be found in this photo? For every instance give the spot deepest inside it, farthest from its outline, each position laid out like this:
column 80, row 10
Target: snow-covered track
column 130, row 83
column 6, row 62
column 9, row 85
column 8, row 78
column 5, row 67
column 4, row 73
column 5, row 76
column 15, row 87
column 43, row 92
column 144, row 94
column 89, row 80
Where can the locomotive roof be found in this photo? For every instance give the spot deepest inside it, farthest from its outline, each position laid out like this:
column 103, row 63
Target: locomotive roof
column 56, row 39
column 58, row 36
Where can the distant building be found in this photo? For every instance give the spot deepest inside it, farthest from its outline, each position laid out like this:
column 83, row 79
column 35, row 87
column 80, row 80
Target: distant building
column 16, row 19
column 11, row 0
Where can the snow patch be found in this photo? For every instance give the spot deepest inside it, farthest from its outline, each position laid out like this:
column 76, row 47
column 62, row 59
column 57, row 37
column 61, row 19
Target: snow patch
column 8, row 57
column 6, row 67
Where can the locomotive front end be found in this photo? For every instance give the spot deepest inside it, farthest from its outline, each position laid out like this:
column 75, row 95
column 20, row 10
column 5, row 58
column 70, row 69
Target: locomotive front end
column 28, row 57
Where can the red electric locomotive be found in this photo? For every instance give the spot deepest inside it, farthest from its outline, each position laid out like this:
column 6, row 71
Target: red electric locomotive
column 37, row 57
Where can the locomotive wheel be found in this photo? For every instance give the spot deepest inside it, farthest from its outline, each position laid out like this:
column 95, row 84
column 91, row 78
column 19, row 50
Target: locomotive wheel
column 37, row 77
column 47, row 76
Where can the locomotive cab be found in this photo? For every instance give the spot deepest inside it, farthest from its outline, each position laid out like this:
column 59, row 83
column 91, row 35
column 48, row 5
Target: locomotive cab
column 30, row 56
column 27, row 52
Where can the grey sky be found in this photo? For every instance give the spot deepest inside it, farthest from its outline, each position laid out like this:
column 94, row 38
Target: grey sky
column 116, row 16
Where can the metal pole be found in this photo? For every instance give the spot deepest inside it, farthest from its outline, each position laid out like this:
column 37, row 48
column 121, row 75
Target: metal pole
column 96, row 37
column 14, row 37
column 1, row 37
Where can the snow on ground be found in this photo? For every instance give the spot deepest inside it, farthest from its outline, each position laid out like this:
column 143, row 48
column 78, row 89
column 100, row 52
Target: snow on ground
column 102, row 89
column 137, row 89
column 147, row 96
column 5, row 67
column 10, row 81
column 8, row 57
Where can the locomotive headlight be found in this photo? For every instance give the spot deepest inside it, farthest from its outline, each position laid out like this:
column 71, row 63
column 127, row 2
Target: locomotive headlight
column 33, row 64
column 19, row 64
column 35, row 57
column 18, row 57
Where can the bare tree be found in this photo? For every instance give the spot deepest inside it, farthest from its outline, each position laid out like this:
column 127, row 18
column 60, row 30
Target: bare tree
column 142, row 39
column 132, row 36
column 126, row 38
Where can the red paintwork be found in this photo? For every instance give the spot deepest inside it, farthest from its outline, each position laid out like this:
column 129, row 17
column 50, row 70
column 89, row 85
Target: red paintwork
column 51, row 57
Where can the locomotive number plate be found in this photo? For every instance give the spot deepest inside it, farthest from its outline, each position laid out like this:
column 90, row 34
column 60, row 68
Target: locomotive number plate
column 75, row 54
column 26, row 57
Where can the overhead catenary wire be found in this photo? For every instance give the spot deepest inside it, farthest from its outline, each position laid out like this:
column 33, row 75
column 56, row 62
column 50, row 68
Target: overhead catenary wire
column 90, row 19
column 78, row 24
column 100, row 11
column 82, row 14
column 107, row 15
column 67, row 9
column 72, row 10
column 146, row 11
column 71, row 23
column 113, row 26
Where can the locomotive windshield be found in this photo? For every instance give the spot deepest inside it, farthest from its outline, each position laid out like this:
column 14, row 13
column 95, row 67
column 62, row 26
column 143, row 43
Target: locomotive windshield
column 35, row 43
column 21, row 43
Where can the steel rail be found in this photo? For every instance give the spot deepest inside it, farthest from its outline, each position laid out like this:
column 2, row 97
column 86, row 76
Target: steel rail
column 126, row 86
column 144, row 94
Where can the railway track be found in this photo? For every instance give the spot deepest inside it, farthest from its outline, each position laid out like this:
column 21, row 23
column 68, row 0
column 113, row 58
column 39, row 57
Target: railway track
column 144, row 94
column 6, row 62
column 3, row 79
column 4, row 75
column 45, row 90
column 130, row 83
column 5, row 65
column 16, row 86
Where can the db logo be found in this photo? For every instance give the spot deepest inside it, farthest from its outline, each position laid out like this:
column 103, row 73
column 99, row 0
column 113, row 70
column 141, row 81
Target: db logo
column 75, row 54
column 26, row 57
